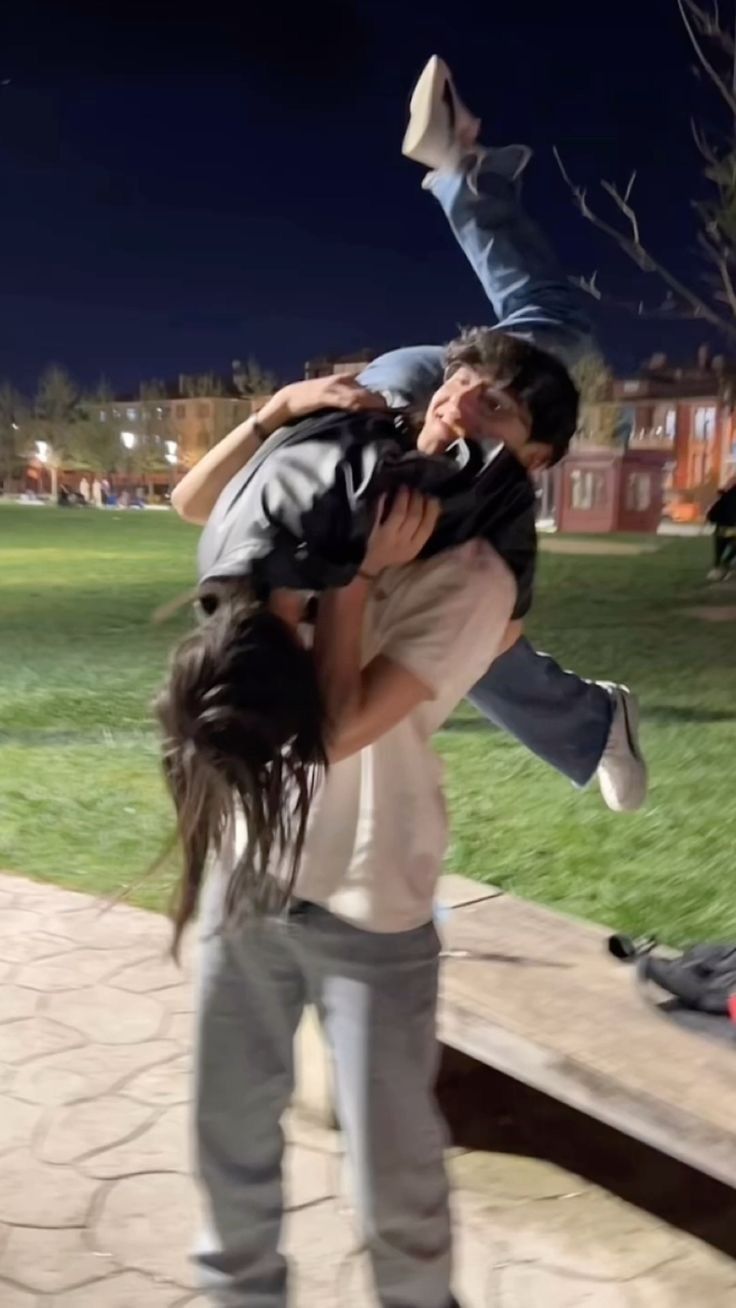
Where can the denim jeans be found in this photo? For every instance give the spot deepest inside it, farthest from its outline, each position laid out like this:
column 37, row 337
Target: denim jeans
column 559, row 716
column 527, row 289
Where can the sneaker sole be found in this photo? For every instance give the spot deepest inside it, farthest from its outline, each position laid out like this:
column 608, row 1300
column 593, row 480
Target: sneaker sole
column 630, row 706
column 426, row 96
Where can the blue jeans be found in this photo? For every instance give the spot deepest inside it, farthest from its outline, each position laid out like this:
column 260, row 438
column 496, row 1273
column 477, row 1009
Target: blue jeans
column 556, row 714
column 529, row 293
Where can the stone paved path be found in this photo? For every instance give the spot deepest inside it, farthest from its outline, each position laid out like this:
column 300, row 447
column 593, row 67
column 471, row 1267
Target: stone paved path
column 97, row 1206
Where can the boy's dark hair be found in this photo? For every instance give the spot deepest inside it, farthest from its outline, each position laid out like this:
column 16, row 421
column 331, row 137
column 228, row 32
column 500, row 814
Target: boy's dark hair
column 533, row 375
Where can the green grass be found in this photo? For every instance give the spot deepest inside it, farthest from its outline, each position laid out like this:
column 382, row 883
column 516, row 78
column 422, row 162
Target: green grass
column 81, row 802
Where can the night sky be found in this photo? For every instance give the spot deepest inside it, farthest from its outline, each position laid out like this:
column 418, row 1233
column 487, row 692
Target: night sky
column 178, row 191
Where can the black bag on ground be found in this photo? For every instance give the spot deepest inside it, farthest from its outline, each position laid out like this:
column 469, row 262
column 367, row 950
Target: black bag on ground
column 701, row 981
column 703, row 978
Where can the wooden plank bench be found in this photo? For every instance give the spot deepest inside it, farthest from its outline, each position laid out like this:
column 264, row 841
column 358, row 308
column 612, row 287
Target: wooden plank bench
column 534, row 994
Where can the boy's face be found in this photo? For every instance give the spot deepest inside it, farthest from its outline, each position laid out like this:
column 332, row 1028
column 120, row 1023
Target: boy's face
column 468, row 404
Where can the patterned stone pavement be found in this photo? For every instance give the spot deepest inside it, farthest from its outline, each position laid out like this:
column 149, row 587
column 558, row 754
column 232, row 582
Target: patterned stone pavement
column 97, row 1206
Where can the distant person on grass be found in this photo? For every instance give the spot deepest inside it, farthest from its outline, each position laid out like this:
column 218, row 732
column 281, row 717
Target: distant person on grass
column 722, row 514
column 313, row 827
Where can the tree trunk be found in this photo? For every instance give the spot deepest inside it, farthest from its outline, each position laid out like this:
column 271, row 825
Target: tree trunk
column 54, row 483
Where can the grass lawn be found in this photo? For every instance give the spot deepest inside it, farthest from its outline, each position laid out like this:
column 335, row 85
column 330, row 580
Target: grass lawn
column 80, row 798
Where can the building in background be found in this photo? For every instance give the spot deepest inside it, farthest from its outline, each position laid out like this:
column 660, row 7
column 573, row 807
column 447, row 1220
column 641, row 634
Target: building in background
column 609, row 489
column 179, row 421
column 685, row 415
column 665, row 437
column 349, row 364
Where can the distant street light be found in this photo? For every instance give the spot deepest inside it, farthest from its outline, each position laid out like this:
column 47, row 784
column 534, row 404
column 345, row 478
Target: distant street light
column 129, row 439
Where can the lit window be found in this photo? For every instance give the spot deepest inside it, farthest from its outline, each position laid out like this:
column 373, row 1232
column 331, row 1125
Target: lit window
column 670, row 423
column 638, row 491
column 625, row 422
column 131, row 414
column 705, row 424
column 103, row 415
column 588, row 489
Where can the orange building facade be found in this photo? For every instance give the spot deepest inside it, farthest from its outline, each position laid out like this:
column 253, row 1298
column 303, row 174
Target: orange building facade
column 687, row 417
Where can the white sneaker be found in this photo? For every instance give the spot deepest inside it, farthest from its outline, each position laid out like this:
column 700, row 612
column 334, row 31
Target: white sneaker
column 622, row 771
column 441, row 130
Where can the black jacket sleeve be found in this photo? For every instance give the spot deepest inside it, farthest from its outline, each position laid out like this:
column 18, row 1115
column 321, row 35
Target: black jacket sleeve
column 517, row 544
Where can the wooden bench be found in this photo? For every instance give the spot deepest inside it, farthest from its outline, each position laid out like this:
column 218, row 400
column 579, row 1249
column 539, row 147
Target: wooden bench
column 534, row 994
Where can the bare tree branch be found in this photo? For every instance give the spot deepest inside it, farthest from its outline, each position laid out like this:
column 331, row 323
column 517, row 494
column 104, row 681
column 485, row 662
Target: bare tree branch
column 721, row 257
column 636, row 251
column 709, row 25
column 703, row 144
column 590, row 285
column 714, row 45
column 624, row 206
column 669, row 309
column 687, row 10
column 728, row 286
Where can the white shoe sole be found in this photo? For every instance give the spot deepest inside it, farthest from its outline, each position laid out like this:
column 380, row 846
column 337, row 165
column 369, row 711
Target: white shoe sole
column 628, row 704
column 426, row 98
column 427, row 139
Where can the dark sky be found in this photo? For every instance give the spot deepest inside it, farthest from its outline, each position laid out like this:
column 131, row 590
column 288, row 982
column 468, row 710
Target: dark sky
column 181, row 190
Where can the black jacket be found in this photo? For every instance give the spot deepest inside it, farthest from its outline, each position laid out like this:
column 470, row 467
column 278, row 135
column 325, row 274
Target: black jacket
column 722, row 513
column 300, row 512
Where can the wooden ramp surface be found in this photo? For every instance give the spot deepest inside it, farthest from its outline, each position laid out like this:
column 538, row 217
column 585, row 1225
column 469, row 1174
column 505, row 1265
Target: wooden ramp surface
column 536, row 995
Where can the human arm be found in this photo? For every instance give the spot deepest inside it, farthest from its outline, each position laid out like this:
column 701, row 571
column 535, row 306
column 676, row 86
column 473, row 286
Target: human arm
column 197, row 493
column 441, row 623
column 362, row 704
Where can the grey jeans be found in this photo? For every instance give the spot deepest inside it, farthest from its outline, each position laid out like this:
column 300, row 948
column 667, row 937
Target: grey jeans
column 377, row 997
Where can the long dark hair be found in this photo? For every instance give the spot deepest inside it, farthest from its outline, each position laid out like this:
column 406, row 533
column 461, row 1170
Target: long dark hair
column 243, row 727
